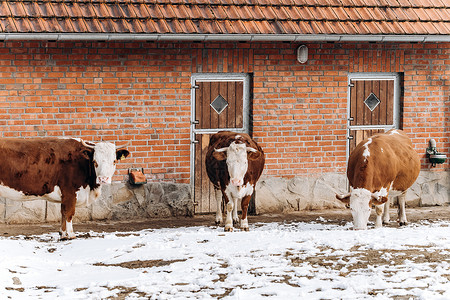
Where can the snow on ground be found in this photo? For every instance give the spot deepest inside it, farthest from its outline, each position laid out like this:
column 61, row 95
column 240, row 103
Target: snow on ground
column 273, row 261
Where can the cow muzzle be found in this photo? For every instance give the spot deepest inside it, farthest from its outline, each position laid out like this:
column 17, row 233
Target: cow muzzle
column 103, row 180
column 237, row 182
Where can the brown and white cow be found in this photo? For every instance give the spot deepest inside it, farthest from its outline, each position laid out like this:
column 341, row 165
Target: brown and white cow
column 63, row 170
column 383, row 164
column 234, row 163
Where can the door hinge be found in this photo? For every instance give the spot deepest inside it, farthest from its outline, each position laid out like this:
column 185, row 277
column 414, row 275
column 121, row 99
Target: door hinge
column 351, row 85
column 195, row 122
column 351, row 119
column 194, row 142
column 350, row 137
column 195, row 87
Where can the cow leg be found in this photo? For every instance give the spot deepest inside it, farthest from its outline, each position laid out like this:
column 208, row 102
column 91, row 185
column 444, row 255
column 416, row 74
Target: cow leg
column 379, row 210
column 67, row 213
column 401, row 209
column 386, row 218
column 244, row 206
column 229, row 219
column 219, row 218
column 235, row 212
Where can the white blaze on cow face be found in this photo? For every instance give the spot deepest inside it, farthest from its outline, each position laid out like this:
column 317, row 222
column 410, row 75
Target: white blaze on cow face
column 360, row 207
column 104, row 161
column 237, row 161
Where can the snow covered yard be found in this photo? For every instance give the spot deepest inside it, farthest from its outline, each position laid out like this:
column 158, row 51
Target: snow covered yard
column 297, row 260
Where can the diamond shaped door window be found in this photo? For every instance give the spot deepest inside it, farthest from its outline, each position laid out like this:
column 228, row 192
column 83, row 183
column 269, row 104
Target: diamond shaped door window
column 372, row 101
column 219, row 104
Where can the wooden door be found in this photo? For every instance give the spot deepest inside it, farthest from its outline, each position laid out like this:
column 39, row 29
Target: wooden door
column 219, row 103
column 373, row 107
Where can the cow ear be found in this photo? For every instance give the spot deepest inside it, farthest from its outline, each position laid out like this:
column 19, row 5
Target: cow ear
column 219, row 155
column 88, row 153
column 121, row 154
column 379, row 201
column 253, row 155
column 344, row 198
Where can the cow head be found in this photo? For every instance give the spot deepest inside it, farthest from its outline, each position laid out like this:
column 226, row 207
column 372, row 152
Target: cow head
column 104, row 156
column 237, row 156
column 361, row 201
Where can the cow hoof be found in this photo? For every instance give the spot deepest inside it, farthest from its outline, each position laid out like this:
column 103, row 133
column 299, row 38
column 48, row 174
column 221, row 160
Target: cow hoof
column 217, row 223
column 403, row 224
column 63, row 236
column 245, row 229
column 228, row 229
column 236, row 222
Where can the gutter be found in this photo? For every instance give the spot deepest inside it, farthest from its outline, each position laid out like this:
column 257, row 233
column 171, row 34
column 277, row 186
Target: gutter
column 224, row 37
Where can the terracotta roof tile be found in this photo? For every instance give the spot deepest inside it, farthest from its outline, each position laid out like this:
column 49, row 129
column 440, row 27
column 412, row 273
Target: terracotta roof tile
column 6, row 25
column 256, row 12
column 445, row 14
column 167, row 11
column 92, row 25
column 149, row 26
column 251, row 27
column 340, row 13
column 106, row 25
column 86, row 10
column 396, row 27
column 353, row 14
column 280, row 13
column 268, row 12
column 305, row 27
column 353, row 17
column 22, row 25
column 292, row 12
column 348, row 27
column 31, row 9
column 305, row 13
column 140, row 10
column 442, row 27
column 79, row 25
column 218, row 12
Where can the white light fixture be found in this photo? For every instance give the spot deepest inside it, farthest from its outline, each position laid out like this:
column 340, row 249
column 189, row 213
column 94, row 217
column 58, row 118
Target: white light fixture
column 302, row 54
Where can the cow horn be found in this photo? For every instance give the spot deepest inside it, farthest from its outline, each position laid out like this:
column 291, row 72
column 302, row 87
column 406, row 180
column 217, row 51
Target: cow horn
column 221, row 149
column 251, row 149
column 343, row 196
column 86, row 145
column 123, row 146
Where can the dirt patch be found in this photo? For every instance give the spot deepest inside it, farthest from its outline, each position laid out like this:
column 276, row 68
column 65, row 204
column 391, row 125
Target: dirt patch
column 139, row 264
column 365, row 258
column 335, row 216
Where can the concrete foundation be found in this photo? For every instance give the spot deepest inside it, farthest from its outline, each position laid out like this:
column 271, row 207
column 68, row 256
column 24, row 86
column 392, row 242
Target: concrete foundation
column 122, row 201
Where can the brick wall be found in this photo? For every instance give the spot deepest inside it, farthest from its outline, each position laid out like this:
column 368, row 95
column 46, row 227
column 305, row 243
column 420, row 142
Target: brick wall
column 140, row 92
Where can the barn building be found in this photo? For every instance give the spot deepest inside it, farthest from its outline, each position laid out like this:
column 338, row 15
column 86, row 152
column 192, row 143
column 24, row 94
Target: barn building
column 307, row 79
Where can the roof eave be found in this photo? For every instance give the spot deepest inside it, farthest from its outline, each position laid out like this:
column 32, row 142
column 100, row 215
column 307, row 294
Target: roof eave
column 225, row 37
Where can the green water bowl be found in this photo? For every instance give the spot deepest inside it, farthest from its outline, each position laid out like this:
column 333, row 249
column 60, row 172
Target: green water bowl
column 438, row 158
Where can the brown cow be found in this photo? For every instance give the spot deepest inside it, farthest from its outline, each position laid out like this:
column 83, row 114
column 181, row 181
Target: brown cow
column 63, row 170
column 234, row 163
column 382, row 164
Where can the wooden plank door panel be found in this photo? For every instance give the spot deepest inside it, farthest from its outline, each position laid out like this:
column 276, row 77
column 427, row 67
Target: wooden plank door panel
column 360, row 112
column 203, row 189
column 209, row 121
column 361, row 135
column 231, row 117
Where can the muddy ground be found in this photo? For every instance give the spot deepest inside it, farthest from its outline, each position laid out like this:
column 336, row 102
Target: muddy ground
column 336, row 216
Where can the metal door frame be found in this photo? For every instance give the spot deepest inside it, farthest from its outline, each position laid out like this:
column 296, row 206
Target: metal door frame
column 215, row 77
column 396, row 109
